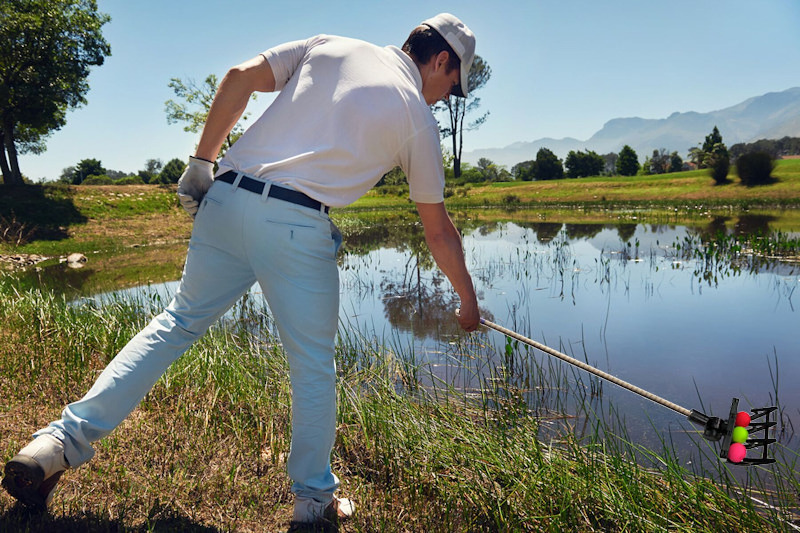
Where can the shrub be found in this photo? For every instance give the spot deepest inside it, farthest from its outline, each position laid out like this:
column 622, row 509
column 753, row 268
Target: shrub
column 14, row 232
column 511, row 200
column 98, row 180
column 130, row 180
column 392, row 190
column 471, row 175
column 755, row 168
column 719, row 170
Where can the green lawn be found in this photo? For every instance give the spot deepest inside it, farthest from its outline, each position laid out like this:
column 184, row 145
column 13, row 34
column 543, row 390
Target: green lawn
column 59, row 219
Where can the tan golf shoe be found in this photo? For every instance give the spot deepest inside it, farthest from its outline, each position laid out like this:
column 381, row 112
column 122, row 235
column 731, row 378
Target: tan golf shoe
column 310, row 511
column 31, row 475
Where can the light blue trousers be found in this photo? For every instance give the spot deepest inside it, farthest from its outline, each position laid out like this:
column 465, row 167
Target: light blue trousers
column 239, row 237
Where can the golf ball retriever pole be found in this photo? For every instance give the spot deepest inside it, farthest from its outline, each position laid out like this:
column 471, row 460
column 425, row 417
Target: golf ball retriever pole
column 739, row 432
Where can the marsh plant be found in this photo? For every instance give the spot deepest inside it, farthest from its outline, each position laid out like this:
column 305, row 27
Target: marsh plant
column 500, row 441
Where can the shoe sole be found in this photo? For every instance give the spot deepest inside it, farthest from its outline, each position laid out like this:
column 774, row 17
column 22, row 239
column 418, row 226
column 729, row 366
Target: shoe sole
column 339, row 510
column 23, row 479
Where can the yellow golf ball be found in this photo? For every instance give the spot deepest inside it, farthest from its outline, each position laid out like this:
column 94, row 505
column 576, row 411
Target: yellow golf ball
column 739, row 434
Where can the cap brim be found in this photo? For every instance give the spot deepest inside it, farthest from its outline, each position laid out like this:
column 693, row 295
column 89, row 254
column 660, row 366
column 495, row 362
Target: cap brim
column 462, row 89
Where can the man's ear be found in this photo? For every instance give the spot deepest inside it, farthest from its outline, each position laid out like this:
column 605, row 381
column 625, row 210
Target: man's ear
column 441, row 59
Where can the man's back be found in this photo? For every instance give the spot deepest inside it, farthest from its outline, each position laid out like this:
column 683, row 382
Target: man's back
column 346, row 113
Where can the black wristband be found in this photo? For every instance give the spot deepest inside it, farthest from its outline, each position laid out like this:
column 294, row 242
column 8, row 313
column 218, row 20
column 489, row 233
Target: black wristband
column 201, row 159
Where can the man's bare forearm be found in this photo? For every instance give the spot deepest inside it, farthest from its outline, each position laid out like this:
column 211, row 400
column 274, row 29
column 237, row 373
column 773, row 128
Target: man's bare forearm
column 230, row 102
column 444, row 242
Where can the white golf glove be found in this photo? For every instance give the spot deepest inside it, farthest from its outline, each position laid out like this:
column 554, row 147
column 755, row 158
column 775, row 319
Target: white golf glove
column 194, row 183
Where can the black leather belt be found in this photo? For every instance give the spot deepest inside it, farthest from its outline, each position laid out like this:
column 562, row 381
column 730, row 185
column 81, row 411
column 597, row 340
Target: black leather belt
column 275, row 191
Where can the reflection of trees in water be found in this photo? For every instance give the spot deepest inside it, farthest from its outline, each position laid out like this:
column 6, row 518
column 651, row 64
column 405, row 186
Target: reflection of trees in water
column 745, row 225
column 490, row 227
column 583, row 231
column 398, row 232
column 753, row 225
column 660, row 229
column 417, row 306
column 716, row 226
column 750, row 246
column 626, row 231
column 58, row 278
column 545, row 231
column 420, row 300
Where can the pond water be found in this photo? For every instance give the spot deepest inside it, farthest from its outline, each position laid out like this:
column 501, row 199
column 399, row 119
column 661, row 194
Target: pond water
column 634, row 300
column 625, row 299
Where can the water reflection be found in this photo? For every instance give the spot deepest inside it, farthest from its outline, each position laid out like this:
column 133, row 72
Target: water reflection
column 684, row 312
column 669, row 308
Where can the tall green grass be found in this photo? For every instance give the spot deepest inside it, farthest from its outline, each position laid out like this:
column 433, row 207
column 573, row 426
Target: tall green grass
column 493, row 450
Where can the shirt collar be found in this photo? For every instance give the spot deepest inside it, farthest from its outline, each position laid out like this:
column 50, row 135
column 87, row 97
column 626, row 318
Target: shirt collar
column 409, row 67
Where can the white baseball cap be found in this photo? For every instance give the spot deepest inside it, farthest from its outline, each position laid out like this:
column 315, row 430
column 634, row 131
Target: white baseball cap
column 461, row 40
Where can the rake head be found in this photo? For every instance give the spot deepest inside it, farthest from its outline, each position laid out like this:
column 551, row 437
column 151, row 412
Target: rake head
column 740, row 433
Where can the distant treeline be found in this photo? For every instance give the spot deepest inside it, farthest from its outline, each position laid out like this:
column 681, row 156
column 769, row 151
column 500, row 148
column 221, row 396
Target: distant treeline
column 776, row 148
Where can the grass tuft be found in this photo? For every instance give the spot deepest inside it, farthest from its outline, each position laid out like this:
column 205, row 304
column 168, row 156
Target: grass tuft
column 207, row 448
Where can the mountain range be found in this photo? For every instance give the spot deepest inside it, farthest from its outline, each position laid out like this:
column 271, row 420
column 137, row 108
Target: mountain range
column 769, row 116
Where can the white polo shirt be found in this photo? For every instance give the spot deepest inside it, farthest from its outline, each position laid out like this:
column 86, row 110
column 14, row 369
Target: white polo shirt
column 347, row 113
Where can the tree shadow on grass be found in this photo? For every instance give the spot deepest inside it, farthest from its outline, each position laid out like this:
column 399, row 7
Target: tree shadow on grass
column 37, row 212
column 20, row 518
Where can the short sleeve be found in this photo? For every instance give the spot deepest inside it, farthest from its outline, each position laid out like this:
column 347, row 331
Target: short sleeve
column 286, row 58
column 421, row 160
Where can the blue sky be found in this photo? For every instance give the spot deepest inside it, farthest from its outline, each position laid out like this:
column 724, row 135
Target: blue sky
column 560, row 68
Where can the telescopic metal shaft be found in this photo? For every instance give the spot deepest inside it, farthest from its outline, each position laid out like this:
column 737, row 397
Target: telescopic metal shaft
column 592, row 370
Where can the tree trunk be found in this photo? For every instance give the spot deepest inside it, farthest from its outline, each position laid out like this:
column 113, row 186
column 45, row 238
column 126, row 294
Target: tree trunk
column 3, row 163
column 456, row 160
column 11, row 174
column 462, row 106
column 453, row 109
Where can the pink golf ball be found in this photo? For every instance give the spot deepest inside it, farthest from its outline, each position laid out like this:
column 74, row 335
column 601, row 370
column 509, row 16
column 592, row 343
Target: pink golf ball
column 742, row 419
column 736, row 452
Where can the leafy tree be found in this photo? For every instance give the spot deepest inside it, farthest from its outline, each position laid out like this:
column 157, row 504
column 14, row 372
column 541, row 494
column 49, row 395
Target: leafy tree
column 719, row 162
column 675, row 162
column 66, row 175
column 470, row 174
column 662, row 162
column 714, row 155
column 610, row 163
column 712, row 139
column 701, row 157
column 46, row 50
column 490, row 171
column 152, row 168
column 645, row 169
column 583, row 164
column 85, row 168
column 456, row 109
column 627, row 162
column 696, row 156
column 116, row 174
column 194, row 102
column 548, row 165
column 524, row 171
column 172, row 171
column 394, row 177
column 774, row 147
